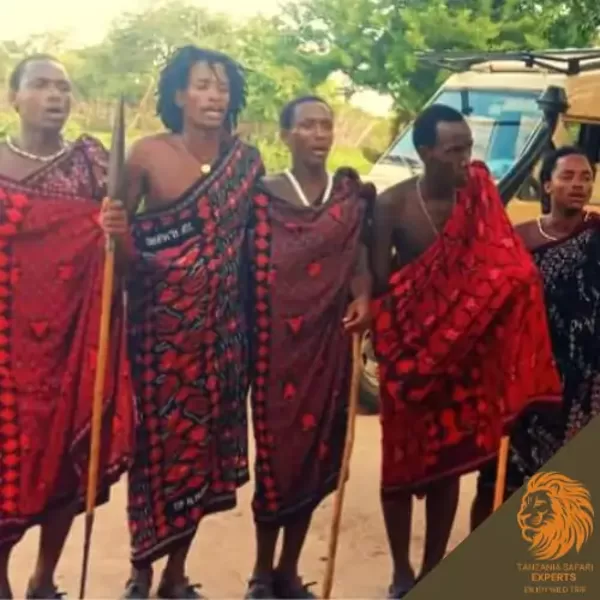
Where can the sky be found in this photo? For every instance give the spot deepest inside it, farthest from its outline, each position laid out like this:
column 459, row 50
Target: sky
column 88, row 23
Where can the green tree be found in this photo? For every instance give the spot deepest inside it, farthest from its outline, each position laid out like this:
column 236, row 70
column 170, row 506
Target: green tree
column 138, row 44
column 129, row 59
column 375, row 42
column 572, row 24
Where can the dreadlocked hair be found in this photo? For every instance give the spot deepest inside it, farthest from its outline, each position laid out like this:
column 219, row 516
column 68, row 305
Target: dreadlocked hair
column 175, row 76
column 549, row 164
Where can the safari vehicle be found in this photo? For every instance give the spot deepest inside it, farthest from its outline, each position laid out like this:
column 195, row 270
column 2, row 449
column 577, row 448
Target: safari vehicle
column 518, row 105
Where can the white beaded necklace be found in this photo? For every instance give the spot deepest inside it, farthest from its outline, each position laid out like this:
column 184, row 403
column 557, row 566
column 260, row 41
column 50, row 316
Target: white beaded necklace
column 37, row 157
column 300, row 192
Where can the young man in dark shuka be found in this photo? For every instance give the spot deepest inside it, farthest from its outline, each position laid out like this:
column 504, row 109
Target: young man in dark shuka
column 310, row 291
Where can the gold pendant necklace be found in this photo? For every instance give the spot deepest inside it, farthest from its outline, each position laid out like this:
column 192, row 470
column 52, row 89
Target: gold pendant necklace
column 205, row 168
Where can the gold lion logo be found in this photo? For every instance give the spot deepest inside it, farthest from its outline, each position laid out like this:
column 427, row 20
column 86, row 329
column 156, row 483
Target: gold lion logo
column 556, row 515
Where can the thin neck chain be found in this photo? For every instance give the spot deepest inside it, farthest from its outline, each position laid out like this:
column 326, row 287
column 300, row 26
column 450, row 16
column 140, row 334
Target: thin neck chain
column 37, row 157
column 300, row 192
column 424, row 206
column 553, row 238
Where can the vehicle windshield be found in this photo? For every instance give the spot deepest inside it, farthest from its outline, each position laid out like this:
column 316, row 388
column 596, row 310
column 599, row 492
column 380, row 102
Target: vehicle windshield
column 501, row 122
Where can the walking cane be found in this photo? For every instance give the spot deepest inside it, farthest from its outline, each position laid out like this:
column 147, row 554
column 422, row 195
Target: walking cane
column 500, row 486
column 115, row 167
column 339, row 496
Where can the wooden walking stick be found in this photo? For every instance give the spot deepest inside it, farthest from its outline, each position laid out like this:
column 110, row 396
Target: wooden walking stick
column 115, row 171
column 500, row 486
column 339, row 495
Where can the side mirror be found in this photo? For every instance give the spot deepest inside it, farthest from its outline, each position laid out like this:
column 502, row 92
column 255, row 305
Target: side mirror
column 553, row 102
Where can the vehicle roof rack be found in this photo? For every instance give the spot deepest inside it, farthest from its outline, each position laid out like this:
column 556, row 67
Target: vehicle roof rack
column 568, row 62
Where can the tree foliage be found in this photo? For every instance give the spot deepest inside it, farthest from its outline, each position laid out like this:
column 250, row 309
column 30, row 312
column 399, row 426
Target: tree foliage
column 375, row 41
column 129, row 58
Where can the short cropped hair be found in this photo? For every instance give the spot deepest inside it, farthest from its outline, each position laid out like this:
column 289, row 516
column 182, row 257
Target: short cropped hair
column 286, row 117
column 549, row 165
column 426, row 124
column 175, row 77
column 16, row 75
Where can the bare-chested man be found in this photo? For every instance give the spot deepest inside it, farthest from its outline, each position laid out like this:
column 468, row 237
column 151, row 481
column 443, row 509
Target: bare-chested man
column 444, row 329
column 311, row 290
column 189, row 338
column 52, row 231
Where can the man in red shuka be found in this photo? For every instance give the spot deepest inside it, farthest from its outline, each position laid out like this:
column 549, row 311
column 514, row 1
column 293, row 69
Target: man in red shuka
column 311, row 289
column 189, row 348
column 52, row 234
column 459, row 331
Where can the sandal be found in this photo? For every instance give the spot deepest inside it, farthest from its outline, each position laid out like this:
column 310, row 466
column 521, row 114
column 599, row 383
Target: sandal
column 260, row 588
column 184, row 590
column 292, row 588
column 49, row 594
column 396, row 592
column 134, row 590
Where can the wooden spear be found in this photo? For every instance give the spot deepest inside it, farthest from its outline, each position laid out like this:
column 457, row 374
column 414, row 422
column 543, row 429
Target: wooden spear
column 115, row 178
column 500, row 486
column 345, row 468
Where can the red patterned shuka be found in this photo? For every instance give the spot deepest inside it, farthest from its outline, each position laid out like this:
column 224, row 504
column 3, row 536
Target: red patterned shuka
column 189, row 353
column 463, row 346
column 51, row 268
column 303, row 260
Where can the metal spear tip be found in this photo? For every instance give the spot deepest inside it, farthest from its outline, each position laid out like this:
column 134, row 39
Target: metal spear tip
column 116, row 175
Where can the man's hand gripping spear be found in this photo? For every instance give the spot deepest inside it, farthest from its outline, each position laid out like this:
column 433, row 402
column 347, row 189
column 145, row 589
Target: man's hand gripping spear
column 115, row 180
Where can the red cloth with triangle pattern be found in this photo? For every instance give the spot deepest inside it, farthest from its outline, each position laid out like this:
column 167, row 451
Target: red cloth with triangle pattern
column 462, row 342
column 303, row 262
column 51, row 269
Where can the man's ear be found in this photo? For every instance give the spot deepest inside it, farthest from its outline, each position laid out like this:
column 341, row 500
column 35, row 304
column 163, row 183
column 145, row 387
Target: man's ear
column 179, row 98
column 12, row 99
column 423, row 152
column 284, row 136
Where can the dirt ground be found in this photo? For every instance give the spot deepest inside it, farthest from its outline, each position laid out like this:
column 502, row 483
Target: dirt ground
column 222, row 555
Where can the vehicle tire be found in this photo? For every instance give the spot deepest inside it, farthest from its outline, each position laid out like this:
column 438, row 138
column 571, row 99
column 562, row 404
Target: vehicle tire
column 369, row 382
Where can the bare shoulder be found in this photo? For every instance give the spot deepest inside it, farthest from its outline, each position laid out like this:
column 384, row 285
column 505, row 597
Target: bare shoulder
column 145, row 149
column 396, row 196
column 527, row 231
column 526, row 228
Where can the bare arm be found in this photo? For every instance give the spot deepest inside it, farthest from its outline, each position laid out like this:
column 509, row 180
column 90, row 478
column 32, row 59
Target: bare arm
column 381, row 241
column 362, row 282
column 135, row 177
column 132, row 192
column 528, row 232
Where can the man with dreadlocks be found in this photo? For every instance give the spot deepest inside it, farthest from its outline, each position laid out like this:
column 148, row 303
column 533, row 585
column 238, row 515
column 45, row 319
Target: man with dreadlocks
column 188, row 330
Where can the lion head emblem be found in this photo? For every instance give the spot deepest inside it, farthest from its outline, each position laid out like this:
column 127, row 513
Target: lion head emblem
column 556, row 515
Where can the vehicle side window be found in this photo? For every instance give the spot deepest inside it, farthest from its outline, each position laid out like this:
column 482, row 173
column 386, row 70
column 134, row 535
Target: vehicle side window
column 530, row 190
column 588, row 138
